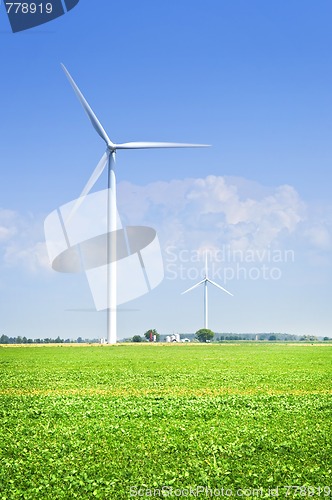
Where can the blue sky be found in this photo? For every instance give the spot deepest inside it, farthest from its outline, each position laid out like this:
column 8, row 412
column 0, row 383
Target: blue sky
column 253, row 79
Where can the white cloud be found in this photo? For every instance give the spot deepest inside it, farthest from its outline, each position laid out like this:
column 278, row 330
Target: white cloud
column 214, row 211
column 319, row 236
column 193, row 214
column 8, row 222
column 33, row 258
column 21, row 241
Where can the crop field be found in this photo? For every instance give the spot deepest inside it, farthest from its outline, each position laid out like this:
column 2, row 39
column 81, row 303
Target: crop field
column 166, row 421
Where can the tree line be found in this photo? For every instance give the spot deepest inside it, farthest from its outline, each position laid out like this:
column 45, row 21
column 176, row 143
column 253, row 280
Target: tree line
column 202, row 335
column 4, row 339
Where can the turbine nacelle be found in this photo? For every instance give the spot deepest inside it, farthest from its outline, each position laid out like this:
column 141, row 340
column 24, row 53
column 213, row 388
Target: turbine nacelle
column 112, row 147
column 205, row 281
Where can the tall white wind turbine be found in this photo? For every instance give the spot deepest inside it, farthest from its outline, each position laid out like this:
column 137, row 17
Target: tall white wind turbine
column 108, row 159
column 204, row 282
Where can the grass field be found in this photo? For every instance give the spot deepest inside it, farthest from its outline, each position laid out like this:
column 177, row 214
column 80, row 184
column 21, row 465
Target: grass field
column 165, row 421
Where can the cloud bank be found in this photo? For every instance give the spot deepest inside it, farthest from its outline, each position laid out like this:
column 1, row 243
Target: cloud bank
column 216, row 211
column 194, row 214
column 21, row 241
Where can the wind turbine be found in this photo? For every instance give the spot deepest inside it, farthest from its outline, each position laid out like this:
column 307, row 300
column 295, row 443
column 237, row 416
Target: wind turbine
column 205, row 281
column 108, row 159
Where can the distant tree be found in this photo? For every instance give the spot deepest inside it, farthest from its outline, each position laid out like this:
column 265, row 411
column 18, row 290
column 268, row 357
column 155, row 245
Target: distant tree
column 137, row 338
column 79, row 340
column 150, row 334
column 308, row 338
column 272, row 337
column 4, row 339
column 204, row 334
column 326, row 339
column 58, row 340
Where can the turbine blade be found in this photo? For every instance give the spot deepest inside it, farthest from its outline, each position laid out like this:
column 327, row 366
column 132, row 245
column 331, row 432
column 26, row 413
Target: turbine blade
column 206, row 265
column 192, row 287
column 95, row 175
column 89, row 185
column 94, row 120
column 152, row 145
column 221, row 288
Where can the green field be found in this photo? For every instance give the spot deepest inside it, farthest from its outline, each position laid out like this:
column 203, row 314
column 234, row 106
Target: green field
column 166, row 421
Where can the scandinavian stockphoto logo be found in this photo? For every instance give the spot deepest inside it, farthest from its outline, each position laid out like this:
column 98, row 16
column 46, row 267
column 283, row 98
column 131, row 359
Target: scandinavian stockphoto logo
column 77, row 238
column 26, row 15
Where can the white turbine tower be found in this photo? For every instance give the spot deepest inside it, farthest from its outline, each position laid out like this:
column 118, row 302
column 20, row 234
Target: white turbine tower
column 108, row 159
column 205, row 281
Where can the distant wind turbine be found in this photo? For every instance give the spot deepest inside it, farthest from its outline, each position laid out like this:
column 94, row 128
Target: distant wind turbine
column 108, row 159
column 205, row 281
